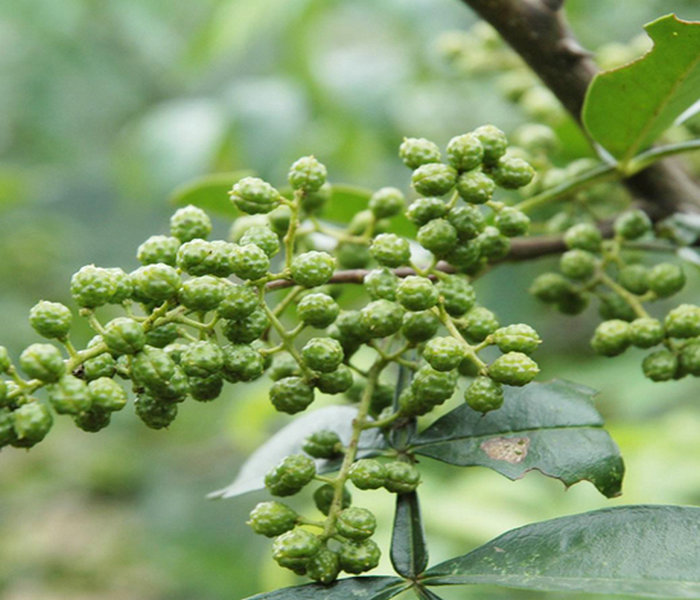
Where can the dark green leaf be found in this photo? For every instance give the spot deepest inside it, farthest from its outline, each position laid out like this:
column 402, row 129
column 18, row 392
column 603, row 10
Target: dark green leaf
column 425, row 594
column 644, row 550
column 403, row 429
column 289, row 440
column 210, row 192
column 409, row 554
column 352, row 588
column 552, row 427
column 628, row 108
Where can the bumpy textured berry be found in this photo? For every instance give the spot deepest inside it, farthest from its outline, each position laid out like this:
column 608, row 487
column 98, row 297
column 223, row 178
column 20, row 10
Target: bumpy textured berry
column 417, row 293
column 272, row 518
column 352, row 256
column 162, row 335
column 578, row 264
column 492, row 244
column 263, row 237
column 204, row 389
column 201, row 293
column 478, row 323
column 7, row 430
column 291, row 394
column 323, row 444
column 158, row 249
column 247, row 329
column 50, row 319
column 252, row 195
column 434, row 179
column 250, row 262
column 432, row 386
column 106, row 394
column 152, row 367
column 307, row 174
column 92, row 420
column 381, row 283
column 381, row 318
column 335, row 382
column 351, row 326
column 92, row 286
column 290, row 475
column 69, row 396
column 323, row 498
column 493, row 141
column 517, row 338
column 467, row 220
column 422, row 210
column 438, row 236
column 689, row 358
column 367, row 474
column 360, row 222
column 465, row 152
column 646, row 332
column 31, row 422
column 683, row 321
column 419, row 326
column 241, row 362
column 550, row 287
column 469, row 367
column 484, row 394
column 475, row 187
column 155, row 283
column 665, row 279
column 311, row 202
column 358, row 557
column 192, row 256
column 457, row 294
column 42, row 361
column 312, row 268
column 189, row 223
column 660, row 365
column 123, row 289
column 415, row 152
column 444, row 353
column 322, row 354
column 318, row 310
column 401, row 477
column 611, row 337
column 614, row 306
column 390, row 250
column 512, row 222
column 356, row 523
column 123, row 335
column 295, row 548
column 238, row 302
column 324, row 566
column 5, row 361
column 583, row 236
column 387, row 202
column 512, row 173
column 634, row 278
column 513, row 368
column 202, row 359
column 102, row 365
column 632, row 224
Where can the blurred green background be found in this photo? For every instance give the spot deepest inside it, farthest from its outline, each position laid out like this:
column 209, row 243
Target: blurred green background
column 106, row 107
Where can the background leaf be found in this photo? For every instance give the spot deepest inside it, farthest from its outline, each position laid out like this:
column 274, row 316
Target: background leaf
column 626, row 109
column 409, row 554
column 645, row 550
column 357, row 588
column 289, row 440
column 210, row 192
column 552, row 427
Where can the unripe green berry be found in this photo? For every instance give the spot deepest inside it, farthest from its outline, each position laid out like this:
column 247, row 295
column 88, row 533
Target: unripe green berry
column 689, row 358
column 324, row 566
column 646, row 332
column 352, row 256
column 492, row 244
column 188, row 223
column 155, row 283
column 578, row 264
column 572, row 303
column 432, row 386
column 457, row 294
column 386, row 202
column 444, row 353
column 252, row 195
column 50, row 319
column 475, row 187
column 438, row 236
column 248, row 329
column 323, row 498
column 69, row 396
column 335, row 382
column 106, row 394
column 201, row 293
column 322, row 354
column 422, row 210
column 92, row 420
column 512, row 222
column 358, row 557
column 356, row 523
column 241, row 362
column 202, row 359
column 417, row 293
column 318, row 310
column 401, row 477
column 632, row 224
column 433, row 179
column 123, row 335
column 5, row 362
column 467, row 220
column 513, row 368
column 290, row 475
column 419, row 326
column 493, row 141
column 323, row 444
column 583, row 236
column 192, row 256
column 263, row 237
column 611, row 337
column 7, row 430
column 469, row 367
column 92, row 286
column 415, row 152
column 634, row 278
column 512, row 173
column 660, row 365
column 250, row 262
column 313, row 202
column 351, row 326
column 478, row 324
column 381, row 283
column 205, row 389
column 466, row 257
column 465, row 152
column 683, row 321
column 295, row 548
column 291, row 395
column 537, row 138
column 390, row 250
column 517, row 338
column 360, row 222
column 158, row 249
column 665, row 279
column 43, row 362
column 313, row 268
column 307, row 174
column 31, row 422
column 280, row 217
column 123, row 289
column 102, row 365
column 367, row 474
column 381, row 318
column 153, row 368
column 272, row 518
column 614, row 306
column 238, row 302
column 484, row 394
column 550, row 287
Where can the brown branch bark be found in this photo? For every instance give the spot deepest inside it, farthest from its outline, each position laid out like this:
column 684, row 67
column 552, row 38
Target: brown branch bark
column 538, row 32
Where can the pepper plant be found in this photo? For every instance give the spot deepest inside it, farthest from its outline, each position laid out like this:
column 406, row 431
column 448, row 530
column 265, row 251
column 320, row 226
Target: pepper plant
column 372, row 297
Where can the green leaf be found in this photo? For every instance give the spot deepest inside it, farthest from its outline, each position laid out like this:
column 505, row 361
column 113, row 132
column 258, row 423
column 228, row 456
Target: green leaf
column 628, row 108
column 210, row 192
column 425, row 594
column 289, row 440
column 552, row 427
column 409, row 554
column 644, row 550
column 352, row 588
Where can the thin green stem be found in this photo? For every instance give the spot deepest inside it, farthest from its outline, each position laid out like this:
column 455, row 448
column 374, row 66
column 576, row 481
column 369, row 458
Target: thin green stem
column 627, row 296
column 287, row 300
column 644, row 159
column 290, row 236
column 452, row 328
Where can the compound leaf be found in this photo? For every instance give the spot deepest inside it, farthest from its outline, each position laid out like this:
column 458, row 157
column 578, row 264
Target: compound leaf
column 552, row 427
column 628, row 108
column 409, row 554
column 210, row 192
column 644, row 550
column 352, row 588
